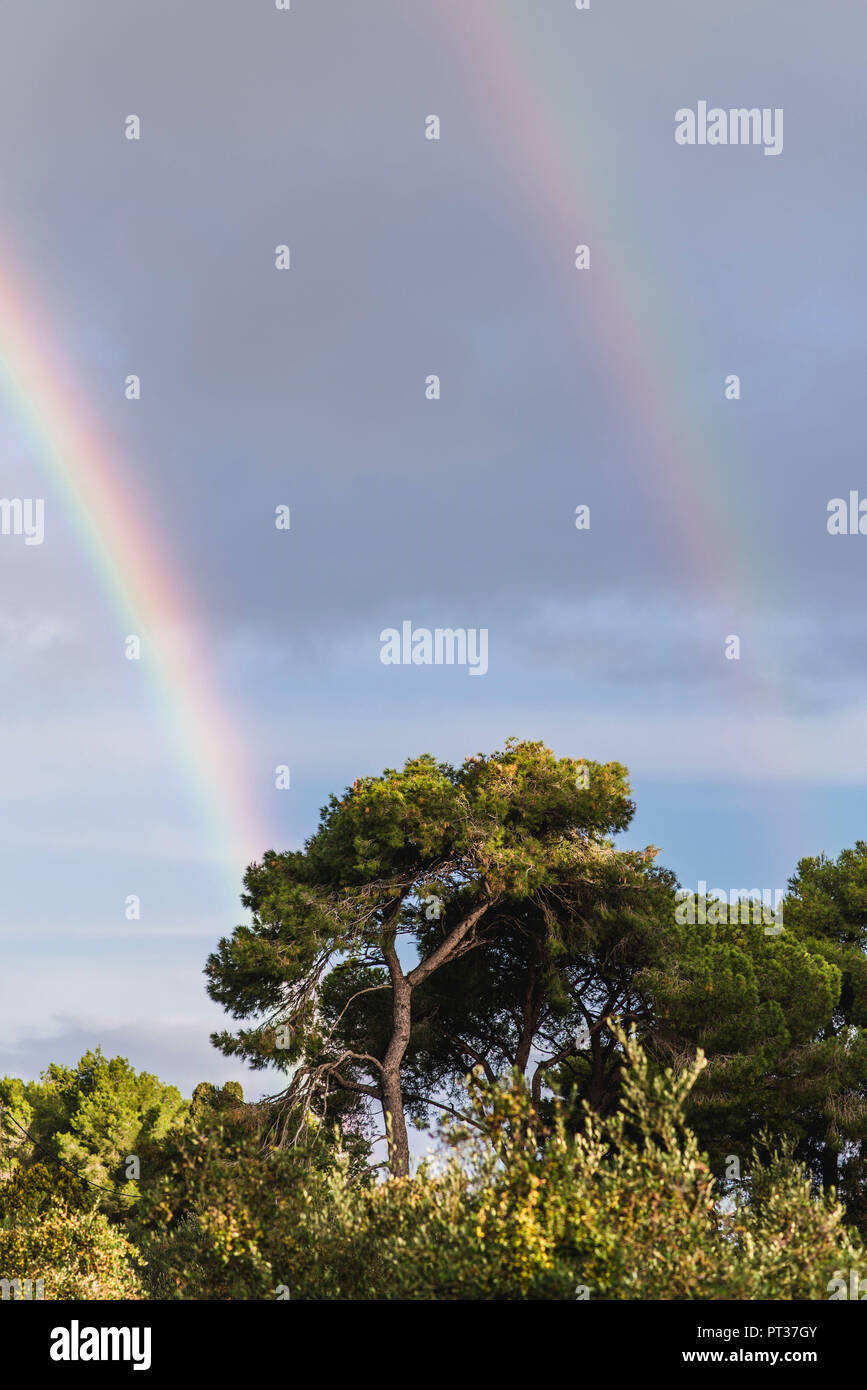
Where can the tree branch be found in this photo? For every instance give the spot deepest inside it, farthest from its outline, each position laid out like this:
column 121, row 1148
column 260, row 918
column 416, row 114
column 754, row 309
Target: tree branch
column 448, row 947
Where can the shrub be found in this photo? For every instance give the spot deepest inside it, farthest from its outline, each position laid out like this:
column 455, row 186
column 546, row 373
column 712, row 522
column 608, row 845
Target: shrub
column 77, row 1254
column 626, row 1209
column 31, row 1189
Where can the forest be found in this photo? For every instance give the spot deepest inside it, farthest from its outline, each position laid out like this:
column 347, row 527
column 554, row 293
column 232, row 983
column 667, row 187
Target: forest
column 505, row 1064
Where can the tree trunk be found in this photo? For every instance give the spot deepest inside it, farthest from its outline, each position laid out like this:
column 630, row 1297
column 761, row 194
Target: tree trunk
column 395, row 1124
column 402, row 988
column 392, row 1096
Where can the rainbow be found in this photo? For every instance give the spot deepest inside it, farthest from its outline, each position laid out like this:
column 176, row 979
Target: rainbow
column 569, row 174
column 140, row 582
column 563, row 160
column 539, row 95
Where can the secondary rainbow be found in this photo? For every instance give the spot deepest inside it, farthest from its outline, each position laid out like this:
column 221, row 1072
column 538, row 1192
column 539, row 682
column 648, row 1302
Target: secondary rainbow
column 538, row 91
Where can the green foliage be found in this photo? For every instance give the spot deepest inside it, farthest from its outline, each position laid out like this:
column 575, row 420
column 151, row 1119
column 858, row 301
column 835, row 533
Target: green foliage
column 210, row 1101
column 33, row 1189
column 826, row 911
column 543, row 932
column 511, row 846
column 89, row 1119
column 547, row 975
column 627, row 1208
column 783, row 1022
column 757, row 1007
column 576, row 1158
column 78, row 1254
column 220, row 1189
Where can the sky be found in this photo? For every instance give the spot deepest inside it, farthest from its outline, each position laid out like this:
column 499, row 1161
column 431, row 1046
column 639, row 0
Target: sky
column 306, row 388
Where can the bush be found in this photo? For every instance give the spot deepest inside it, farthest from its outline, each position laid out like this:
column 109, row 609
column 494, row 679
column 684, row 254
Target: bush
column 77, row 1254
column 626, row 1209
column 212, row 1223
column 31, row 1189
